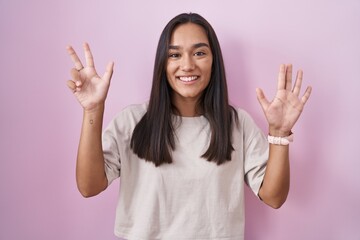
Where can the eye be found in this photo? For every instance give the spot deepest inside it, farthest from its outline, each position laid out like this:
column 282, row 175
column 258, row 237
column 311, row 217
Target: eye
column 200, row 54
column 174, row 55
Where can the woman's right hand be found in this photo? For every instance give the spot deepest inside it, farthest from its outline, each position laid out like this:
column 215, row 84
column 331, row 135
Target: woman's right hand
column 88, row 87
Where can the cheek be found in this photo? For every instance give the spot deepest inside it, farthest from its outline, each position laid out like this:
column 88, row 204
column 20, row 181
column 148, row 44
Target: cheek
column 207, row 68
column 169, row 69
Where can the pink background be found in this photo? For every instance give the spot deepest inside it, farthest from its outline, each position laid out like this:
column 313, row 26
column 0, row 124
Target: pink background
column 40, row 119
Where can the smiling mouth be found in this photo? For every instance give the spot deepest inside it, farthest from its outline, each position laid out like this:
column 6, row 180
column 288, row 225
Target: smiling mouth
column 188, row 78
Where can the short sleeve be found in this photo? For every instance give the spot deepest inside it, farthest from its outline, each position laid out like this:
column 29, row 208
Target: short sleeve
column 256, row 153
column 116, row 139
column 111, row 153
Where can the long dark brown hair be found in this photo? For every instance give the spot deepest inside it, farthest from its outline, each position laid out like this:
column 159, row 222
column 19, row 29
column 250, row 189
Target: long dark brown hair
column 153, row 137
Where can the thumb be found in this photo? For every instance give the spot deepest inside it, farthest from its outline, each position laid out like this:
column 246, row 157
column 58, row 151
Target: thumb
column 109, row 71
column 262, row 99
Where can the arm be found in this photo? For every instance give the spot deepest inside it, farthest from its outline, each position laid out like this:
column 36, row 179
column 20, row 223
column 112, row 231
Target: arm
column 281, row 114
column 276, row 183
column 90, row 167
column 91, row 91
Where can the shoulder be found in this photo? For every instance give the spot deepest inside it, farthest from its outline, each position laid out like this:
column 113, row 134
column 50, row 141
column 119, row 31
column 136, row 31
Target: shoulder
column 246, row 123
column 243, row 116
column 133, row 111
column 127, row 118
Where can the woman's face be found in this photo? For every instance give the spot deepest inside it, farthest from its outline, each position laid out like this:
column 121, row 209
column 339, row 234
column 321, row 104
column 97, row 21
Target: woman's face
column 189, row 62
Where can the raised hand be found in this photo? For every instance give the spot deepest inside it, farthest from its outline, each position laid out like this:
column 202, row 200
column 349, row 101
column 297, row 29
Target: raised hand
column 286, row 107
column 88, row 87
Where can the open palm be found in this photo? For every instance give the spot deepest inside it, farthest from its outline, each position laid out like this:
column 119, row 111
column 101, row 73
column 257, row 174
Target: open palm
column 286, row 107
column 88, row 87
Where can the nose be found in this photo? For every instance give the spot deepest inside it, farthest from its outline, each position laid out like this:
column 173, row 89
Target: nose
column 187, row 63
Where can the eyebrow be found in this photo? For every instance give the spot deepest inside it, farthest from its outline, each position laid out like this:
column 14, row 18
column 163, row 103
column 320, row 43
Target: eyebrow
column 196, row 45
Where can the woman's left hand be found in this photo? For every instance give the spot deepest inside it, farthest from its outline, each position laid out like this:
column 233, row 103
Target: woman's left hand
column 285, row 109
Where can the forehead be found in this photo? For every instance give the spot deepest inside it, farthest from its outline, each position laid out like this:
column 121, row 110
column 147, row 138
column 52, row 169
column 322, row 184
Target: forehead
column 188, row 33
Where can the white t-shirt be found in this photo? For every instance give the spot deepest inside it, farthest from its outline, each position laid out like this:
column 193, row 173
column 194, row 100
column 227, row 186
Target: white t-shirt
column 190, row 198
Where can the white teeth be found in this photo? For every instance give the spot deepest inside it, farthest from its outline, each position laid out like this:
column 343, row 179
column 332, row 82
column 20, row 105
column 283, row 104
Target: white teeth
column 188, row 79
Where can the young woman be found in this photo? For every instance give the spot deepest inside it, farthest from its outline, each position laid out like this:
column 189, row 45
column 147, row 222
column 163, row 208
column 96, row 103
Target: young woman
column 183, row 157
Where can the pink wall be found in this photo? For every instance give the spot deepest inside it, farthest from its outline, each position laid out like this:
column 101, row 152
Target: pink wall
column 40, row 119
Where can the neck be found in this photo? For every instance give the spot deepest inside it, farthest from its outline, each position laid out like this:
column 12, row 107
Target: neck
column 187, row 107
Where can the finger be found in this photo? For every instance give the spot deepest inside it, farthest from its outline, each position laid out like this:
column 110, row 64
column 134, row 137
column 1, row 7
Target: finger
column 281, row 77
column 88, row 55
column 288, row 83
column 298, row 82
column 71, row 85
column 262, row 99
column 109, row 71
column 76, row 77
column 74, row 57
column 306, row 95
